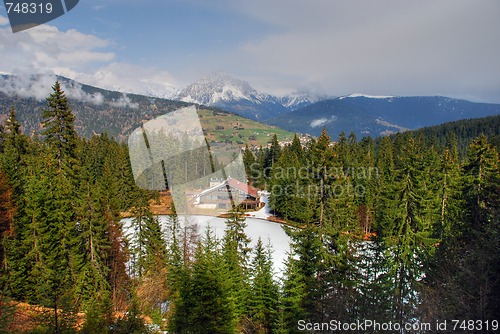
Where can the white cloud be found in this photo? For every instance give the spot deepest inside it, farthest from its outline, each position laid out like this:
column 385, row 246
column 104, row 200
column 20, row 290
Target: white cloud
column 379, row 47
column 25, row 86
column 43, row 48
column 129, row 78
column 40, row 86
column 82, row 57
column 318, row 122
column 124, row 102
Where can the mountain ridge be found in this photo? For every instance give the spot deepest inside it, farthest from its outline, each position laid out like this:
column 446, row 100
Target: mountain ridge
column 380, row 115
column 225, row 91
column 116, row 112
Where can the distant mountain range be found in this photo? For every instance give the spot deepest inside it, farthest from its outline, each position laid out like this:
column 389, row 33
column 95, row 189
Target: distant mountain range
column 222, row 90
column 380, row 115
column 305, row 112
column 118, row 114
column 96, row 110
column 99, row 110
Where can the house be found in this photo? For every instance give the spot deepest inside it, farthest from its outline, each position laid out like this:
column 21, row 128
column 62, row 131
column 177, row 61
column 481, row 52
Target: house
column 222, row 193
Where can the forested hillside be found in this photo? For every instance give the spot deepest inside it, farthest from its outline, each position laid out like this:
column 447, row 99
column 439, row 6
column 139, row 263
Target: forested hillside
column 404, row 232
column 464, row 131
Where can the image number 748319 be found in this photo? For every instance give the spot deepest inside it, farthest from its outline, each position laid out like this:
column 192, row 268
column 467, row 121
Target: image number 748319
column 28, row 7
column 28, row 14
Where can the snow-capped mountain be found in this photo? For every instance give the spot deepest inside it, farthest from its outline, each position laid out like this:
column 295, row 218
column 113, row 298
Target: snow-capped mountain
column 216, row 88
column 300, row 99
column 222, row 90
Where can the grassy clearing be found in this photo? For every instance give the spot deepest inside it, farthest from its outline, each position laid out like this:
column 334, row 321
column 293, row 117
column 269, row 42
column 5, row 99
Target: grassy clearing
column 224, row 127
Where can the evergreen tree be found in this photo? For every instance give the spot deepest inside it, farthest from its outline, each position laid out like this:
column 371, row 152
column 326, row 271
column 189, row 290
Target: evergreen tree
column 7, row 211
column 236, row 257
column 264, row 292
column 91, row 244
column 47, row 238
column 471, row 247
column 291, row 298
column 407, row 227
column 296, row 148
column 272, row 154
column 14, row 147
column 58, row 123
column 250, row 164
column 203, row 305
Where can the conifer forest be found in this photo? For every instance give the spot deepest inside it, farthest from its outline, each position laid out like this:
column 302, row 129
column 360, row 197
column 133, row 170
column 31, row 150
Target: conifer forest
column 397, row 234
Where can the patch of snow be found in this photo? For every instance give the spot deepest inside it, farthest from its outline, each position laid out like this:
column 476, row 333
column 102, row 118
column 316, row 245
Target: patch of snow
column 265, row 211
column 367, row 96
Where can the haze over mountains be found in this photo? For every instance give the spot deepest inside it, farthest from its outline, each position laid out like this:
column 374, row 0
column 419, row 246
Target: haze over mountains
column 101, row 110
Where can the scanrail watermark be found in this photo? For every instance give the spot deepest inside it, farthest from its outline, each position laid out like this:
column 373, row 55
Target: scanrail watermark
column 171, row 152
column 397, row 327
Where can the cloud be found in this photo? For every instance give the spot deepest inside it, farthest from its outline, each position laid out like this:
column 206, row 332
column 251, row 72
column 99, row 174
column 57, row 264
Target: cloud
column 128, row 78
column 124, row 102
column 316, row 123
column 40, row 86
column 379, row 47
column 82, row 57
column 319, row 122
column 45, row 48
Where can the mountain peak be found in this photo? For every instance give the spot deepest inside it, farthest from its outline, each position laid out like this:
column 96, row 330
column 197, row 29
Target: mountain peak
column 217, row 87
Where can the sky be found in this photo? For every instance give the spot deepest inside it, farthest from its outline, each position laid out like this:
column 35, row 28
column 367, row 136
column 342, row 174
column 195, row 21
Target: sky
column 334, row 47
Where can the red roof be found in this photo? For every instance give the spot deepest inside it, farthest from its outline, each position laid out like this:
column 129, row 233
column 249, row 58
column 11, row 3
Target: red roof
column 243, row 187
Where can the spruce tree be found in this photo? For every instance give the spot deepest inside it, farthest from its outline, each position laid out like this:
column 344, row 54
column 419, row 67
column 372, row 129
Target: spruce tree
column 407, row 227
column 471, row 246
column 235, row 255
column 58, row 123
column 7, row 210
column 291, row 298
column 264, row 292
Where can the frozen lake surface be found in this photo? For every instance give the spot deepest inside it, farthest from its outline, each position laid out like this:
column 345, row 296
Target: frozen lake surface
column 268, row 231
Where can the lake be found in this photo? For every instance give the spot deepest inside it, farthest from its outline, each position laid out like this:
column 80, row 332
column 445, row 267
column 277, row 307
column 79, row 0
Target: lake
column 268, row 231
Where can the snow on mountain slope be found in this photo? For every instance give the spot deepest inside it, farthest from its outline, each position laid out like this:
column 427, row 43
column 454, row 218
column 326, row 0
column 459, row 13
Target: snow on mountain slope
column 222, row 90
column 366, row 96
column 218, row 87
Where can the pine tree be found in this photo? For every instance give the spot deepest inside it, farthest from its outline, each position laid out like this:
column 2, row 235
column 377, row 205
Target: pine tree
column 48, row 278
column 203, row 305
column 291, row 190
column 408, row 227
column 264, row 292
column 7, row 212
column 235, row 255
column 272, row 155
column 152, row 289
column 296, row 148
column 91, row 243
column 471, row 247
column 321, row 160
column 291, row 299
column 250, row 164
column 14, row 147
column 58, row 123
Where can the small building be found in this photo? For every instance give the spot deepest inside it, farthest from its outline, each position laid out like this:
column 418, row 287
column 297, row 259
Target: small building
column 222, row 193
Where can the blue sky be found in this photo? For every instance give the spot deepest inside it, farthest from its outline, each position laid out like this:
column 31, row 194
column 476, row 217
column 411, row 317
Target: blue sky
column 383, row 47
